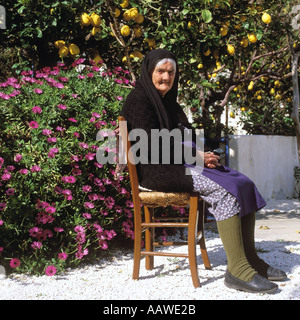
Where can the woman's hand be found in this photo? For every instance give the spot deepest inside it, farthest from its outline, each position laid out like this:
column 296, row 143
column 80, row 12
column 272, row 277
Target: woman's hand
column 211, row 160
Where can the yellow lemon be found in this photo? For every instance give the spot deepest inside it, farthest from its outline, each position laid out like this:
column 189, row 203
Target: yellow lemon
column 125, row 31
column 223, row 31
column 230, row 49
column 126, row 15
column 151, row 42
column 95, row 20
column 134, row 13
column 244, row 42
column 207, row 52
column 139, row 19
column 258, row 97
column 124, row 4
column 216, row 54
column 266, row 18
column 95, row 30
column 252, row 37
column 73, row 49
column 277, row 83
column 190, row 24
column 59, row 43
column 117, row 12
column 200, row 66
column 232, row 115
column 85, row 19
column 136, row 54
column 137, row 32
column 63, row 51
column 272, row 91
column 250, row 87
column 98, row 60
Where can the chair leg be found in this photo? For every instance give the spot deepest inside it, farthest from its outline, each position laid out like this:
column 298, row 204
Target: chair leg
column 192, row 235
column 137, row 242
column 202, row 239
column 149, row 237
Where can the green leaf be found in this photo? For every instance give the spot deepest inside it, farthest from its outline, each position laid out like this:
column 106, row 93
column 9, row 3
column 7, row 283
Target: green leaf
column 206, row 16
column 185, row 11
column 39, row 32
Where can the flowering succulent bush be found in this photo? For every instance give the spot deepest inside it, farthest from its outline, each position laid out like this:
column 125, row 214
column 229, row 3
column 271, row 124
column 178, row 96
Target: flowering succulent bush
column 58, row 205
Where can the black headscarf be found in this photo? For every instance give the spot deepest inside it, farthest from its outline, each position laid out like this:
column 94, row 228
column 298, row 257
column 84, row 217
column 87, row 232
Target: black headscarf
column 145, row 80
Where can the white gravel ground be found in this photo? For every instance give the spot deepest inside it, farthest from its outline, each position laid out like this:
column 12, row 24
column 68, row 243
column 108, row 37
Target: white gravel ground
column 110, row 279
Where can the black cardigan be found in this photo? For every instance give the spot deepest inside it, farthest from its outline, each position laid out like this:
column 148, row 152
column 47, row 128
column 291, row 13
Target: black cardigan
column 139, row 112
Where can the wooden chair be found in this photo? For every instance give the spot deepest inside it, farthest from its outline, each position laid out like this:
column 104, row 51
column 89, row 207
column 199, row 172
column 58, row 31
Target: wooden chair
column 152, row 199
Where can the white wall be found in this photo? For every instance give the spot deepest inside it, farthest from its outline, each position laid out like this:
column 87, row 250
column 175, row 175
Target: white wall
column 268, row 161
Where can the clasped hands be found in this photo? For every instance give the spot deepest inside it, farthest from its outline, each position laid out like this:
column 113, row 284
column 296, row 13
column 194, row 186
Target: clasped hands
column 210, row 159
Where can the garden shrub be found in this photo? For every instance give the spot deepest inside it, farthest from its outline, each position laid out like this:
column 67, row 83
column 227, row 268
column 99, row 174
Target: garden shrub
column 58, row 205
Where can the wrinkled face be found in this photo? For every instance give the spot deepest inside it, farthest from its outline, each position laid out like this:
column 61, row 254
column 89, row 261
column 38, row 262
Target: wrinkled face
column 163, row 77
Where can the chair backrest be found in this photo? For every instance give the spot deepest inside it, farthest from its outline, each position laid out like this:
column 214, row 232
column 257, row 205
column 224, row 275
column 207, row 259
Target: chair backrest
column 130, row 160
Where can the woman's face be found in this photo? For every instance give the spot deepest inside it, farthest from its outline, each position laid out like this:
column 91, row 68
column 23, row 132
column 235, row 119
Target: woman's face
column 163, row 77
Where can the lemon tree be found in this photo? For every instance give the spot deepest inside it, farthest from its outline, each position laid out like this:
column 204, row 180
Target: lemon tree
column 223, row 47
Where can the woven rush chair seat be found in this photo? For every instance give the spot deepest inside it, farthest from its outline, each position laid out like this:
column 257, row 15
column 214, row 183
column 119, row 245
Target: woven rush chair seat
column 148, row 222
column 164, row 199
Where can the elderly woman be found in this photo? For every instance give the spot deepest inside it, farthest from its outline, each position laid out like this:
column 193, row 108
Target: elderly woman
column 232, row 198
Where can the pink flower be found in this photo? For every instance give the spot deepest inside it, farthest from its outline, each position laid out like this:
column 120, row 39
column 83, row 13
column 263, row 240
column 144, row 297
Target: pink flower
column 90, row 156
column 14, row 263
column 38, row 91
column 50, row 209
column 23, row 171
column 51, row 140
column 90, row 75
column 37, row 109
column 76, row 134
column 33, row 124
column 72, row 120
column 79, row 229
column 96, row 115
column 47, row 132
column 86, row 188
column 87, row 215
column 57, row 229
column 52, row 152
column 68, row 179
column 62, row 256
column 18, row 157
column 62, row 107
column 10, row 192
column 6, row 176
column 35, row 168
column 58, row 85
column 33, row 232
column 36, row 245
column 89, row 205
column 1, row 222
column 83, row 145
column 50, row 270
column 66, row 192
